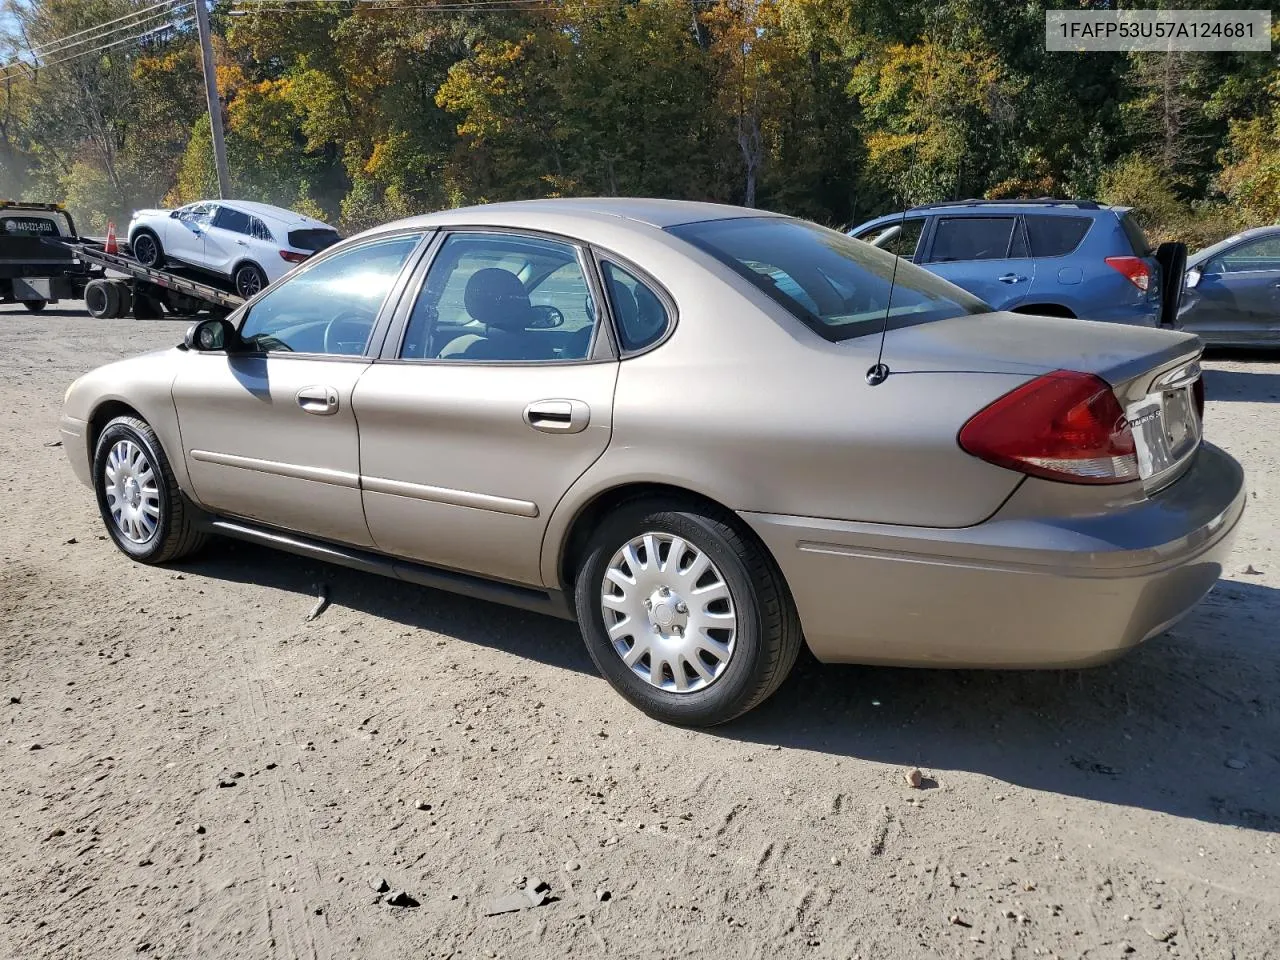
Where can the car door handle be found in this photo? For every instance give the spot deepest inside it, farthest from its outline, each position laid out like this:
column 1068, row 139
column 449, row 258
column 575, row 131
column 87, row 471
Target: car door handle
column 322, row 401
column 243, row 243
column 558, row 416
column 1011, row 278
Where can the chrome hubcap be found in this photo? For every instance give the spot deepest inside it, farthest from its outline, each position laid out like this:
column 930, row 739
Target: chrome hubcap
column 133, row 494
column 669, row 613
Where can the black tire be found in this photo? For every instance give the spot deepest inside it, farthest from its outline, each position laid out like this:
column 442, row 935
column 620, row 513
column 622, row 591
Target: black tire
column 147, row 250
column 177, row 533
column 35, row 306
column 97, row 298
column 768, row 630
column 248, row 279
column 122, row 299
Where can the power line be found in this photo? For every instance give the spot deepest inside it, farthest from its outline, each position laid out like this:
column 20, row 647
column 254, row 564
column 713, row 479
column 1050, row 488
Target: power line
column 80, row 55
column 59, row 47
column 472, row 6
column 47, row 48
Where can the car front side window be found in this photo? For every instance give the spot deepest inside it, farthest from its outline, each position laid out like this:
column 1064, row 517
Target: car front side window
column 500, row 297
column 331, row 307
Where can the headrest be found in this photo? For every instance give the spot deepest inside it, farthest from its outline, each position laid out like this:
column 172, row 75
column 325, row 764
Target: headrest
column 497, row 298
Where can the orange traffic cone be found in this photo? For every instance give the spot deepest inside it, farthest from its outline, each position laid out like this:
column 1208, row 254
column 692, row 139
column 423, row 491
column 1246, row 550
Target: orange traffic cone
column 111, row 246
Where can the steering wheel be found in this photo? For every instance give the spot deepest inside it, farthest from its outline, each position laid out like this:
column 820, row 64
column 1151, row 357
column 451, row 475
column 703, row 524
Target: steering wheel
column 347, row 330
column 547, row 317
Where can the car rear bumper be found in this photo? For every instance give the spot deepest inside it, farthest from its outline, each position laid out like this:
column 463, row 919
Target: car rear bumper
column 75, row 443
column 1045, row 592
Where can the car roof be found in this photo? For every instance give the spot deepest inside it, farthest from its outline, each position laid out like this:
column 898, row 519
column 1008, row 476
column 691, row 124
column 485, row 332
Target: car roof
column 639, row 210
column 979, row 208
column 266, row 211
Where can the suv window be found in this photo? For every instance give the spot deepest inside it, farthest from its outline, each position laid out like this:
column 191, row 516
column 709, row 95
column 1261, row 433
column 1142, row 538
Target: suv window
column 1055, row 236
column 972, row 238
column 259, row 231
column 331, row 307
column 1137, row 239
column 230, row 219
column 197, row 213
column 490, row 296
column 641, row 317
column 903, row 242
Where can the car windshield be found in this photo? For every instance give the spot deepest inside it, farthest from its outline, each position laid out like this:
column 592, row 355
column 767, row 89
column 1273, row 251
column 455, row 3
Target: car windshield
column 838, row 286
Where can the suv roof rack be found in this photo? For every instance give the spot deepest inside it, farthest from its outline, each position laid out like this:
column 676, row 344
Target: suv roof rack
column 1037, row 201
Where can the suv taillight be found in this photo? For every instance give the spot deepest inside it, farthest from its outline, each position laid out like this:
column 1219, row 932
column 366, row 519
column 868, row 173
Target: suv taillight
column 1135, row 270
column 1062, row 426
column 292, row 257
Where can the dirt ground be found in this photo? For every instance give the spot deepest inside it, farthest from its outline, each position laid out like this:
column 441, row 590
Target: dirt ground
column 450, row 747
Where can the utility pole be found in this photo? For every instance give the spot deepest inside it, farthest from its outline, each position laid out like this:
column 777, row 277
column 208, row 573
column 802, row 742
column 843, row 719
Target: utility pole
column 215, row 105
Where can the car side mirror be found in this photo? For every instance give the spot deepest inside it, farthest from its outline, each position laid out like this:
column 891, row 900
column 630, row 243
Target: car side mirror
column 175, row 214
column 1192, row 278
column 212, row 335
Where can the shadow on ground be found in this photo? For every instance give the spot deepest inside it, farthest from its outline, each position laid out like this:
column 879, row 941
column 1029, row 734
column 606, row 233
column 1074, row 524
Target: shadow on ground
column 1258, row 386
column 1155, row 730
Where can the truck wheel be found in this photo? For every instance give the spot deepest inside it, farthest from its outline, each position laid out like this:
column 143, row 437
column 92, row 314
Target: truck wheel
column 122, row 298
column 34, row 306
column 147, row 250
column 97, row 298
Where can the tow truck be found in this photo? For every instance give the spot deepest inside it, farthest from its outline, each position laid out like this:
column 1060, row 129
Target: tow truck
column 37, row 268
column 43, row 260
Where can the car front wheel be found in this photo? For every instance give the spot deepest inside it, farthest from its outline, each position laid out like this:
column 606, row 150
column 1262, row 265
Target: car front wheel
column 685, row 615
column 145, row 512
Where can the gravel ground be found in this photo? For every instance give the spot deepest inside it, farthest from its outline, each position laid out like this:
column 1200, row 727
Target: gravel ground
column 217, row 777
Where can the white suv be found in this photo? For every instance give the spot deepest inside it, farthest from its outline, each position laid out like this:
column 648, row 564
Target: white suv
column 251, row 244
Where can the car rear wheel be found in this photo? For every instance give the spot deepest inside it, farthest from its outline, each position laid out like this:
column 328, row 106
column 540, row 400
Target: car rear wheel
column 35, row 306
column 249, row 279
column 147, row 250
column 684, row 614
column 145, row 513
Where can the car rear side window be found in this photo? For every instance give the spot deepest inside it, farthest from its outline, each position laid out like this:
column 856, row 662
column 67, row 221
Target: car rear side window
column 1137, row 239
column 972, row 238
column 233, row 220
column 1052, row 236
column 836, row 285
column 502, row 297
column 640, row 315
column 259, row 231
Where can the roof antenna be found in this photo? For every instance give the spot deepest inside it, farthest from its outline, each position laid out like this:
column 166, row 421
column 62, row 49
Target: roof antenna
column 878, row 372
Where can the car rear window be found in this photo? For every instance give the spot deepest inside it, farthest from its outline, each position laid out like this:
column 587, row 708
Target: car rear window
column 972, row 238
column 313, row 240
column 1055, row 236
column 840, row 287
column 1137, row 239
column 28, row 225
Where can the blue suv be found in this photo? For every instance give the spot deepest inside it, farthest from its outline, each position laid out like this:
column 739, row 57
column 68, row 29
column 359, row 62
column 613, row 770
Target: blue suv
column 1063, row 258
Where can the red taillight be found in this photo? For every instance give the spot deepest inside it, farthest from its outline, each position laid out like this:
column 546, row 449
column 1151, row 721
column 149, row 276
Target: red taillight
column 293, row 257
column 1135, row 270
column 1197, row 395
column 1062, row 426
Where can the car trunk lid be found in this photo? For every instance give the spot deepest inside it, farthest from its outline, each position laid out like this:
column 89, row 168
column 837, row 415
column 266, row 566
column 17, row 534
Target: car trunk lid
column 1155, row 374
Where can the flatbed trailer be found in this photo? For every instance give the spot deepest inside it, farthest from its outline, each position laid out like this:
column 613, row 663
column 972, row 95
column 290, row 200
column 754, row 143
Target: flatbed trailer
column 146, row 292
